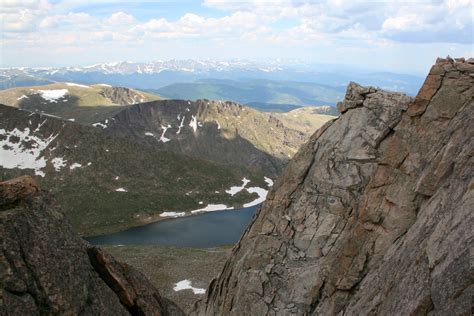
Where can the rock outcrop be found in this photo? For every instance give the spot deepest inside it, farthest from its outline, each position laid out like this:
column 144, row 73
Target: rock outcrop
column 373, row 216
column 46, row 269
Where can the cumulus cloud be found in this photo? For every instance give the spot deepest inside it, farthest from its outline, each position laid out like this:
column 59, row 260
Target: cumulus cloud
column 120, row 18
column 65, row 25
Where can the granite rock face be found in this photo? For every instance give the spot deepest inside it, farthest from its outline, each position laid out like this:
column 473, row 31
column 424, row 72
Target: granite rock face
column 46, row 269
column 373, row 216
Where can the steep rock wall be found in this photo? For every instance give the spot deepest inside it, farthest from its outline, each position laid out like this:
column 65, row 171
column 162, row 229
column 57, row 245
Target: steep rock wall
column 373, row 216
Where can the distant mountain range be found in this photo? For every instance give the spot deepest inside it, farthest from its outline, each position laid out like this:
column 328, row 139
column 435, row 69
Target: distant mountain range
column 155, row 75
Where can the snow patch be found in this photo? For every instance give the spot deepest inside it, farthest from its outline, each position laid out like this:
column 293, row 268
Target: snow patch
column 21, row 149
column 149, row 134
column 262, row 195
column 268, row 181
column 104, row 85
column 236, row 189
column 58, row 163
column 77, row 85
column 75, row 165
column 163, row 138
column 181, row 124
column 172, row 214
column 218, row 125
column 186, row 285
column 116, row 178
column 22, row 97
column 53, row 95
column 212, row 208
column 98, row 124
column 193, row 123
column 121, row 190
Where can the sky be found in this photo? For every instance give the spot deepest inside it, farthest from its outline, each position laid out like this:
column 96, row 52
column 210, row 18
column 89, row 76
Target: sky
column 393, row 35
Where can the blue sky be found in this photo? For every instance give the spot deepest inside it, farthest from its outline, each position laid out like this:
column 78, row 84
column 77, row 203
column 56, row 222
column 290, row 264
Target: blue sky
column 402, row 36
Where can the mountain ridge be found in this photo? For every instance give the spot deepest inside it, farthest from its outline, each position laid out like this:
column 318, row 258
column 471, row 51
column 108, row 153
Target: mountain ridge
column 98, row 178
column 154, row 75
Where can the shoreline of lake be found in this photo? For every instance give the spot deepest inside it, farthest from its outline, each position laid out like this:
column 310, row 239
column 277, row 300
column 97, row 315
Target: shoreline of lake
column 202, row 230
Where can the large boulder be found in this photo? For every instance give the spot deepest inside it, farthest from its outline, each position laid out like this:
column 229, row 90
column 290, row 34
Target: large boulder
column 373, row 216
column 46, row 269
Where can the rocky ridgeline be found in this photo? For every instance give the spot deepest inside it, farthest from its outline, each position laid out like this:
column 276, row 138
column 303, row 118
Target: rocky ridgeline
column 224, row 132
column 124, row 96
column 46, row 269
column 373, row 216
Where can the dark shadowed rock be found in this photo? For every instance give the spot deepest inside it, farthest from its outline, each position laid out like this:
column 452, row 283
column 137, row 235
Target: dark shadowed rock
column 373, row 216
column 47, row 269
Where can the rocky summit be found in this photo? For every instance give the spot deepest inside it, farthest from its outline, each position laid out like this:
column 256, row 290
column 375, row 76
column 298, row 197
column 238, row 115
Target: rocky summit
column 373, row 216
column 46, row 269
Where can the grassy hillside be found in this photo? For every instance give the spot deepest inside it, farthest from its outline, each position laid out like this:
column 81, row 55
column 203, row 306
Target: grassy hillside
column 306, row 120
column 73, row 101
column 255, row 91
column 105, row 183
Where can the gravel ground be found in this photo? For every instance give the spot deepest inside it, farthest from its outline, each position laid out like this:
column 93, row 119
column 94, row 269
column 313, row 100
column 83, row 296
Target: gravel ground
column 165, row 266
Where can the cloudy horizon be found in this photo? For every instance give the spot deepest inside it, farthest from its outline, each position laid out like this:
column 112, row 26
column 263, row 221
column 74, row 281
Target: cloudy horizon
column 399, row 36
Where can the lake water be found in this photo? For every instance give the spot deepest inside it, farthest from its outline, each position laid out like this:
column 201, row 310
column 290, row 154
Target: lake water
column 204, row 230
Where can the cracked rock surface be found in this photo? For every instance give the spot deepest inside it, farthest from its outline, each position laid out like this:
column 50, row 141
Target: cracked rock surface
column 373, row 216
column 46, row 269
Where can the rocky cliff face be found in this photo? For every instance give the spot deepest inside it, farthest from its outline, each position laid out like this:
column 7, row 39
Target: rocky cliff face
column 373, row 216
column 122, row 95
column 46, row 269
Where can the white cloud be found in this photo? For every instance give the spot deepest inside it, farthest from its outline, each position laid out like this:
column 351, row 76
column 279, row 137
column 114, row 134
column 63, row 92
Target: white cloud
column 402, row 22
column 120, row 18
column 273, row 25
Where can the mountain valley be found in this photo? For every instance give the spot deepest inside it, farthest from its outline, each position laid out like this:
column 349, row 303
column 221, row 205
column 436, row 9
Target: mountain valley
column 371, row 215
column 82, row 164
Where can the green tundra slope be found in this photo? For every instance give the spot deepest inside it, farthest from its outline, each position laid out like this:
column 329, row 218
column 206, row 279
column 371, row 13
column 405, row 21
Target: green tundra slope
column 74, row 101
column 108, row 183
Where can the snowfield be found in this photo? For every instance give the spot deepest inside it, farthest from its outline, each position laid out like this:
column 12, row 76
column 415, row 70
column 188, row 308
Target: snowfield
column 21, row 149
